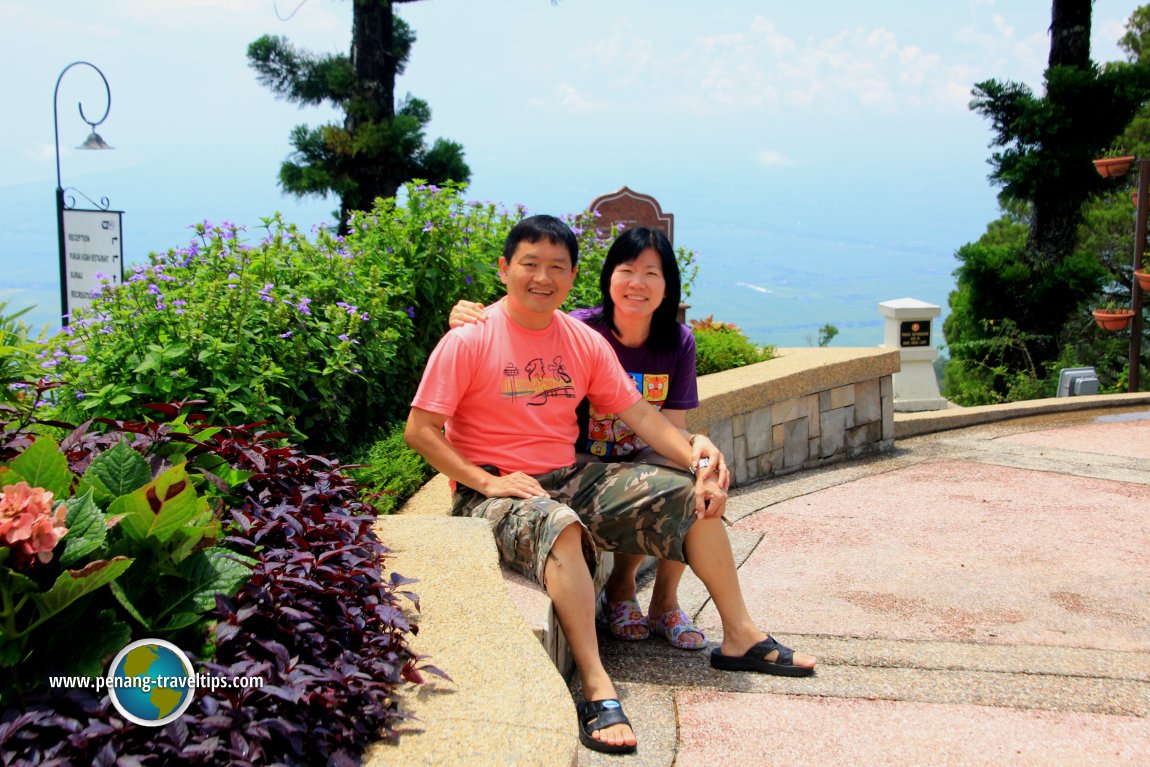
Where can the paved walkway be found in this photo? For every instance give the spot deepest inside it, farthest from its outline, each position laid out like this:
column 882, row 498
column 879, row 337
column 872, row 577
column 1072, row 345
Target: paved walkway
column 978, row 597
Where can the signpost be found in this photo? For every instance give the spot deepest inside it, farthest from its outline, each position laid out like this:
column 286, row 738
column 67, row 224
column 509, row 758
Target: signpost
column 92, row 248
column 91, row 241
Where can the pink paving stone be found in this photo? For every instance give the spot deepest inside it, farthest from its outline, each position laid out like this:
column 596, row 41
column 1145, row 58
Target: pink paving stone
column 784, row 730
column 1126, row 438
column 957, row 551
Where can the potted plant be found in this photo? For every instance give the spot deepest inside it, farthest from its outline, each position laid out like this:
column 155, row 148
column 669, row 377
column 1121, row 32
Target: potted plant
column 1143, row 278
column 1113, row 317
column 1113, row 167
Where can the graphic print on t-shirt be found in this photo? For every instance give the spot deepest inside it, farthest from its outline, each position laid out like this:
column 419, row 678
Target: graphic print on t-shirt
column 608, row 436
column 537, row 381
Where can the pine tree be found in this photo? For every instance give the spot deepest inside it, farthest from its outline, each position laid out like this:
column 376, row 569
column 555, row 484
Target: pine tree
column 381, row 144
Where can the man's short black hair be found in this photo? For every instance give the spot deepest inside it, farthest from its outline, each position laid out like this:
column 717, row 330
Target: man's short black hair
column 536, row 228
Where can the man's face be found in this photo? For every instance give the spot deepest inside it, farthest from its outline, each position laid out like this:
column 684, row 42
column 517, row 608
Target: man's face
column 538, row 279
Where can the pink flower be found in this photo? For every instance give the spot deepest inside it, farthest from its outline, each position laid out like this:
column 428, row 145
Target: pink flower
column 28, row 525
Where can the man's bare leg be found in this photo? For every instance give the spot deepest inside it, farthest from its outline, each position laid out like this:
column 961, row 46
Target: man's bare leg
column 709, row 554
column 572, row 592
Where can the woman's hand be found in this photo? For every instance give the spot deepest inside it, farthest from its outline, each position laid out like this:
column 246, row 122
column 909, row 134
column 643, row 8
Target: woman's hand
column 708, row 461
column 466, row 313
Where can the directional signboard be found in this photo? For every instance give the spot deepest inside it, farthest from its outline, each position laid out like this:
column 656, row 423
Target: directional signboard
column 93, row 245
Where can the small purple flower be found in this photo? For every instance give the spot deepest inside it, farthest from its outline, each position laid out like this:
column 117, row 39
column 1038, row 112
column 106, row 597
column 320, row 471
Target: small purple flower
column 79, row 358
column 154, row 289
column 286, row 335
column 427, row 227
column 344, row 337
column 79, row 395
column 410, row 312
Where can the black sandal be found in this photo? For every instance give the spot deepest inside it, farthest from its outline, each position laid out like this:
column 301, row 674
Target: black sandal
column 754, row 659
column 594, row 715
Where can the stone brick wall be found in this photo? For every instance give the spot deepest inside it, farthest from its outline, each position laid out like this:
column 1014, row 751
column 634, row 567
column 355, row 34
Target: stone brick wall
column 807, row 408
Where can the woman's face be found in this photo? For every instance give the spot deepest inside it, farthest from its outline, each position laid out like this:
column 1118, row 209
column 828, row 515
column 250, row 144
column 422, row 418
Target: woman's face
column 638, row 287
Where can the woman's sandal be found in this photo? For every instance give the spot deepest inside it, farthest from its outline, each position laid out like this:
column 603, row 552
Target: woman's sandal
column 624, row 615
column 754, row 660
column 594, row 715
column 672, row 624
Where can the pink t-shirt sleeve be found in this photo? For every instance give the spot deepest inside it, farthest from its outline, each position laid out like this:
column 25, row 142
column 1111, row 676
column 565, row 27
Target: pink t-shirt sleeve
column 610, row 388
column 446, row 377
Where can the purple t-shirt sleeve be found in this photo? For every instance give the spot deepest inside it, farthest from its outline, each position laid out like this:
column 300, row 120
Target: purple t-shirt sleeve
column 683, row 390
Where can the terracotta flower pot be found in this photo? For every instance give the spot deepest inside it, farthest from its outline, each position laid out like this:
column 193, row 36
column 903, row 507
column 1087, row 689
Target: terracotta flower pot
column 1113, row 167
column 1143, row 280
column 1113, row 319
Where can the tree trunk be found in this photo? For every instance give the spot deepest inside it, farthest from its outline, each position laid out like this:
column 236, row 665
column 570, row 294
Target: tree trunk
column 1070, row 33
column 1054, row 227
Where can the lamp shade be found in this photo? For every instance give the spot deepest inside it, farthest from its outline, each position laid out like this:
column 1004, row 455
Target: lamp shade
column 95, row 141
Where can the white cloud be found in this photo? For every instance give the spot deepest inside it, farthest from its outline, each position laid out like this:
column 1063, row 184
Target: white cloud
column 572, row 100
column 772, row 158
column 760, row 69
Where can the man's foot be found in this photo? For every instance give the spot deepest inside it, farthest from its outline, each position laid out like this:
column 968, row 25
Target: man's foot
column 604, row 727
column 677, row 628
column 767, row 657
column 625, row 620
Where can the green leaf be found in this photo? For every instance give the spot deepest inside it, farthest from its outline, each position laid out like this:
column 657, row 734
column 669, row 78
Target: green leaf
column 43, row 465
column 73, row 584
column 125, row 601
column 104, row 636
column 175, row 350
column 87, row 529
column 119, row 471
column 161, row 508
column 11, row 653
column 16, row 582
column 210, row 572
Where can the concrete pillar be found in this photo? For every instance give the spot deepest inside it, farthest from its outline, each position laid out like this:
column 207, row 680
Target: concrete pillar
column 907, row 327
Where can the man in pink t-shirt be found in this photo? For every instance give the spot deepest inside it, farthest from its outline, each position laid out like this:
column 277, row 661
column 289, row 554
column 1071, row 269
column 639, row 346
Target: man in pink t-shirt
column 496, row 412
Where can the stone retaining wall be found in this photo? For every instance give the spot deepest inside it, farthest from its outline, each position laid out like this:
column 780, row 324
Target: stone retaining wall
column 806, row 408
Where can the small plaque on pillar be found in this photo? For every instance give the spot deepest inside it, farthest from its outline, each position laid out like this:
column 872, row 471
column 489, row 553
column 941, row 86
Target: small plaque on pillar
column 914, row 333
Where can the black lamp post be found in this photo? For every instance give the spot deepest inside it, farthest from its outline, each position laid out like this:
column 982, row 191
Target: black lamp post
column 94, row 141
column 1140, row 227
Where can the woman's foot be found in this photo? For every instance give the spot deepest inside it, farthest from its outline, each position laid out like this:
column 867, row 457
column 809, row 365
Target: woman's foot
column 625, row 620
column 677, row 628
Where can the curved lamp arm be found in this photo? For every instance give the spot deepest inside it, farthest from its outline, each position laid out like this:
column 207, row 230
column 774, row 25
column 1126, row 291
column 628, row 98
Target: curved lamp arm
column 55, row 111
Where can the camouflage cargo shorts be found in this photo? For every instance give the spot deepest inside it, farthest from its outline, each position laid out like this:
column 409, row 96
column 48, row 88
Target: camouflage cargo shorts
column 625, row 507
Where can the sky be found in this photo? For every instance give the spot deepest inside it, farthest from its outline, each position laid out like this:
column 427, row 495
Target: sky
column 819, row 157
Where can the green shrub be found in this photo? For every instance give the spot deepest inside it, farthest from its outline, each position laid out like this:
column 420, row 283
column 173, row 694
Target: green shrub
column 722, row 346
column 18, row 364
column 389, row 470
column 324, row 337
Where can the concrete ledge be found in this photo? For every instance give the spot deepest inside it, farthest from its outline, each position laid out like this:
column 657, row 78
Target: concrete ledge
column 508, row 703
column 804, row 409
column 794, row 373
column 908, row 425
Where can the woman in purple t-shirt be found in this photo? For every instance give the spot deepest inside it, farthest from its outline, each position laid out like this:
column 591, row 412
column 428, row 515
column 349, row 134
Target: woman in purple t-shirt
column 640, row 288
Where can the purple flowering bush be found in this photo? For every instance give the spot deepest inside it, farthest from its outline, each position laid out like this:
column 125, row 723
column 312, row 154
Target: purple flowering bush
column 324, row 336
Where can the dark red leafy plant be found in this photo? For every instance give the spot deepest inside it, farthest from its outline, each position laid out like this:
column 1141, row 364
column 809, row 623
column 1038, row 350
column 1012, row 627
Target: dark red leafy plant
column 318, row 620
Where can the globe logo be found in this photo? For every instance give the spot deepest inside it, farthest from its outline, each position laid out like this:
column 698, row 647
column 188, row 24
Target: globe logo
column 151, row 682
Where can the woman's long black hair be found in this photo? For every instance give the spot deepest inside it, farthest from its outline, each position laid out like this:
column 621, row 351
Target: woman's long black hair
column 625, row 249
